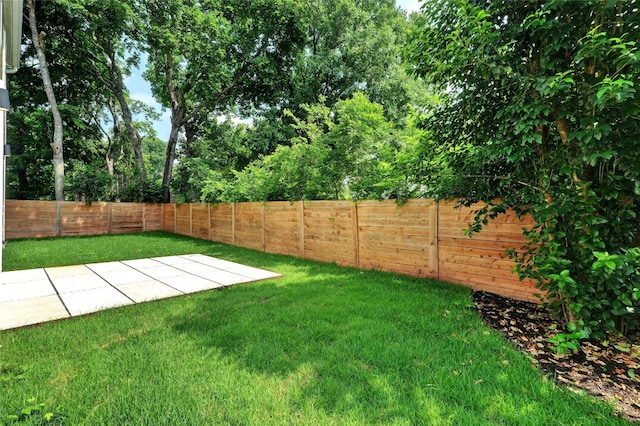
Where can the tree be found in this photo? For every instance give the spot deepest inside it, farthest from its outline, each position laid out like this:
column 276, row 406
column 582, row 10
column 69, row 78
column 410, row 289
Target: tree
column 110, row 31
column 538, row 106
column 349, row 152
column 349, row 46
column 90, row 48
column 205, row 56
column 38, row 40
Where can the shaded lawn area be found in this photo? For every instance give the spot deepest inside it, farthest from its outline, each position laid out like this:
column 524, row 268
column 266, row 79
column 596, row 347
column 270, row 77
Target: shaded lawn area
column 322, row 345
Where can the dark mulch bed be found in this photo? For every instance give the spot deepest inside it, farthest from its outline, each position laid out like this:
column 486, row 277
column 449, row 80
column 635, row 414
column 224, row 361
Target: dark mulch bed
column 604, row 369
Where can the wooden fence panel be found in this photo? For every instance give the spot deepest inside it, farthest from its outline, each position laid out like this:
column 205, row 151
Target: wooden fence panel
column 397, row 239
column 152, row 218
column 183, row 219
column 283, row 228
column 249, row 226
column 81, row 219
column 480, row 262
column 200, row 222
column 126, row 218
column 221, row 223
column 329, row 232
column 421, row 238
column 169, row 218
column 30, row 219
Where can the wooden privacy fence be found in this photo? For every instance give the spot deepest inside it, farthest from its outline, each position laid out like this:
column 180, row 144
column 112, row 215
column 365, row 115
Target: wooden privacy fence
column 422, row 238
column 36, row 219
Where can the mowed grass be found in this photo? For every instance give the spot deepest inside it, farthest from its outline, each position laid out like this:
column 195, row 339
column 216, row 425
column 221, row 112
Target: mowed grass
column 323, row 345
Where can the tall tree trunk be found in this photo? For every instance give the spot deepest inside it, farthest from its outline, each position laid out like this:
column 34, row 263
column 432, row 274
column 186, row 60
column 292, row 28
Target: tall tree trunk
column 177, row 121
column 110, row 156
column 169, row 159
column 134, row 136
column 115, row 83
column 56, row 144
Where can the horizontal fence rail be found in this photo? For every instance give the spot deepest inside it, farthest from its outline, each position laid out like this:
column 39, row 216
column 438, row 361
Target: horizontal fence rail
column 422, row 238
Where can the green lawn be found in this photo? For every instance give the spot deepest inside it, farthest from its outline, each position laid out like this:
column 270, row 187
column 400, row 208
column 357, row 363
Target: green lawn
column 322, row 345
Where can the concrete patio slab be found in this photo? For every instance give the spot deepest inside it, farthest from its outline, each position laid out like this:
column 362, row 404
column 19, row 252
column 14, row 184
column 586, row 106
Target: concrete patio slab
column 218, row 263
column 224, row 277
column 173, row 260
column 75, row 283
column 148, row 291
column 97, row 299
column 106, row 267
column 189, row 284
column 131, row 276
column 162, row 271
column 142, row 263
column 26, row 290
column 44, row 294
column 31, row 311
column 23, row 276
column 68, row 271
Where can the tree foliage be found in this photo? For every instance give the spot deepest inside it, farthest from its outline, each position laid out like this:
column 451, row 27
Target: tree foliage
column 207, row 55
column 350, row 151
column 538, row 107
column 348, row 47
column 90, row 47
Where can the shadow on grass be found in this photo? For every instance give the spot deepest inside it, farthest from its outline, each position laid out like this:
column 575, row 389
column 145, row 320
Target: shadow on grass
column 379, row 345
column 321, row 345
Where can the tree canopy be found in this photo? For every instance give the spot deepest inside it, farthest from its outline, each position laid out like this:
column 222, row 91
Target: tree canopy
column 538, row 111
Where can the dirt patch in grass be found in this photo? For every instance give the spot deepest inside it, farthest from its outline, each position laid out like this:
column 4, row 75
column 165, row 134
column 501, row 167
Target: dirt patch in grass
column 604, row 369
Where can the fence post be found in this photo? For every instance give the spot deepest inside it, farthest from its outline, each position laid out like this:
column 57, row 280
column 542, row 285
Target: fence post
column 209, row 221
column 175, row 218
column 109, row 218
column 233, row 223
column 356, row 236
column 302, row 229
column 163, row 226
column 264, row 226
column 434, row 260
column 58, row 218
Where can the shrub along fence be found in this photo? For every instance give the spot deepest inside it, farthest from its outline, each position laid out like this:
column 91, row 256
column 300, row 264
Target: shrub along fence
column 422, row 238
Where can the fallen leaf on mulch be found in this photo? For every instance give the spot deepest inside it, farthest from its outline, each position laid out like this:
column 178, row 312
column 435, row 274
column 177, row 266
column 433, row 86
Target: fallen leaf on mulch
column 605, row 369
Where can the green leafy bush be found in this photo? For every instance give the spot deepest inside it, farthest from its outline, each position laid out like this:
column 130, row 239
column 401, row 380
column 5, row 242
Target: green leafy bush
column 89, row 183
column 538, row 111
